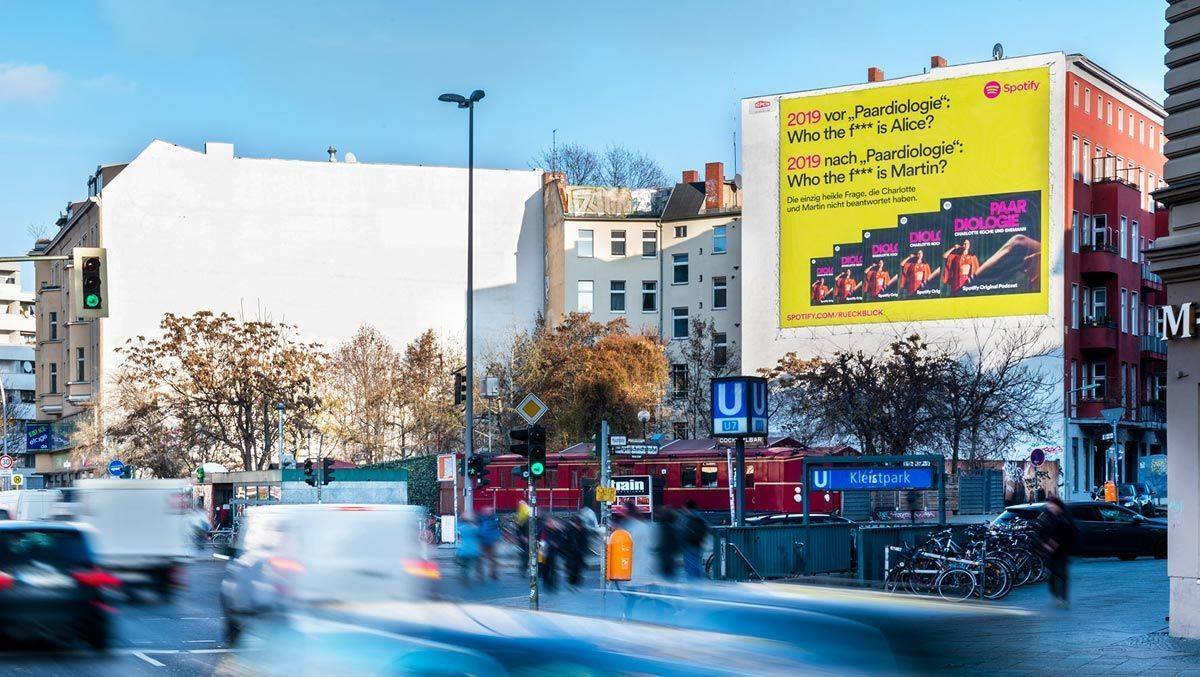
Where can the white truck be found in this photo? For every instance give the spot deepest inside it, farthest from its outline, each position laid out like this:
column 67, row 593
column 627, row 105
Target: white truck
column 30, row 504
column 142, row 528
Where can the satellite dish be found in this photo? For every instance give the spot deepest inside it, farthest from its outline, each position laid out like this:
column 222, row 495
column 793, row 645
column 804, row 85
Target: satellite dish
column 737, row 180
column 350, row 158
column 997, row 51
column 27, row 367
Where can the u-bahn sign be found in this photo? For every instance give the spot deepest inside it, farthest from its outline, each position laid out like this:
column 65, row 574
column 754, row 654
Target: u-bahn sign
column 870, row 479
column 739, row 406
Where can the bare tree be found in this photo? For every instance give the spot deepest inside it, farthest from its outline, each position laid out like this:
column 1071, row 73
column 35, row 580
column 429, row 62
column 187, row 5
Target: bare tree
column 620, row 166
column 997, row 393
column 579, row 163
column 364, row 406
column 702, row 360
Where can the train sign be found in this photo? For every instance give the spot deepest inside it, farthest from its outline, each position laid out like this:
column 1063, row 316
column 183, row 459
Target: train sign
column 636, row 489
column 739, row 406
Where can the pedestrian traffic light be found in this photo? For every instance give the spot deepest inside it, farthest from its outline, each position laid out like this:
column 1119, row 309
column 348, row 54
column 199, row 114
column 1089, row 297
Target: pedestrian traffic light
column 477, row 469
column 89, row 282
column 326, row 470
column 520, row 441
column 460, row 388
column 309, row 478
column 537, row 451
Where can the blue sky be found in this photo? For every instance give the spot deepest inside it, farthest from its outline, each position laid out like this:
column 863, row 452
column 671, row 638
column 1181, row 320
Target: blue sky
column 88, row 83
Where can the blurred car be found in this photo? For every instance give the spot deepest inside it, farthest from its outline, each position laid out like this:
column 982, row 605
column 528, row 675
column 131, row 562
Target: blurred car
column 293, row 556
column 1104, row 529
column 51, row 586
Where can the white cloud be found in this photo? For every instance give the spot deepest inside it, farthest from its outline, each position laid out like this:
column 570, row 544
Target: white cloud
column 111, row 83
column 27, row 82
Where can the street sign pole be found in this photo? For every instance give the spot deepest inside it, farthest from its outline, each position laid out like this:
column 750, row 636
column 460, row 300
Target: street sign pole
column 533, row 546
column 604, row 507
column 739, row 469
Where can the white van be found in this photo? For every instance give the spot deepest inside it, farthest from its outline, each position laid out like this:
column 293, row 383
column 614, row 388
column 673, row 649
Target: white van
column 30, row 504
column 143, row 528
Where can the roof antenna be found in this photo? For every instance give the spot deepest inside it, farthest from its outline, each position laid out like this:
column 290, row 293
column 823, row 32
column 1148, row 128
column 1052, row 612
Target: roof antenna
column 554, row 150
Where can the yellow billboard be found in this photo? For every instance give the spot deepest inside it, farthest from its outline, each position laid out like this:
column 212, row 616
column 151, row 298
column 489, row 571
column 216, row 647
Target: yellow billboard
column 919, row 201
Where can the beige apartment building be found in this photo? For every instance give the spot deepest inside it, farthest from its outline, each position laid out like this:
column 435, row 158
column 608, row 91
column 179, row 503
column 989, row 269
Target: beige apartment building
column 657, row 258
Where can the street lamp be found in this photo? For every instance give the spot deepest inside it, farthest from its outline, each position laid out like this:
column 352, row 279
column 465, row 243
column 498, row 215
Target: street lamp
column 644, row 417
column 469, row 102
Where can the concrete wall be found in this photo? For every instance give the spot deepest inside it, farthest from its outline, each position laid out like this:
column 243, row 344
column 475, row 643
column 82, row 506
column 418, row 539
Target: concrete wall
column 325, row 246
column 764, row 342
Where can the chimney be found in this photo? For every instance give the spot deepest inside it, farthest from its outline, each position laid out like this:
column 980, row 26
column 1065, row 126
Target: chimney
column 874, row 74
column 691, row 176
column 557, row 180
column 714, row 185
column 550, row 177
column 938, row 62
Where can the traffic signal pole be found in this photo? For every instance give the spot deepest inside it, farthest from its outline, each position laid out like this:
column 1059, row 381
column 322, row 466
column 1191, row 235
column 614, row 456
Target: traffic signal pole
column 605, row 508
column 533, row 546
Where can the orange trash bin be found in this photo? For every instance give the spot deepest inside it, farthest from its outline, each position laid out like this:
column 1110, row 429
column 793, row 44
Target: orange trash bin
column 620, row 556
column 1110, row 492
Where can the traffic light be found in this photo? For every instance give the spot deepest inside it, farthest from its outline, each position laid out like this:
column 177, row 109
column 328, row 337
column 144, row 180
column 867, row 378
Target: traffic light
column 309, row 478
column 460, row 388
column 478, row 469
column 537, row 451
column 520, row 442
column 326, row 470
column 200, row 475
column 89, row 282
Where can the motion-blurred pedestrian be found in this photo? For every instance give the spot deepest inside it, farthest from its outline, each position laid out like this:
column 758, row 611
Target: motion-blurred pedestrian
column 575, row 546
column 521, row 536
column 489, row 541
column 667, row 542
column 693, row 532
column 469, row 548
column 1056, row 533
column 549, row 548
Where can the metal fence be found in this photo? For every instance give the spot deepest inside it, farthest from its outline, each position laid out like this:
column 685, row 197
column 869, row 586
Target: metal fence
column 761, row 552
column 981, row 493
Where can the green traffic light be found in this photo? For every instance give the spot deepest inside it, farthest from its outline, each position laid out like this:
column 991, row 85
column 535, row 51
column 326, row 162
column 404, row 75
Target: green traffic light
column 537, row 468
column 92, row 300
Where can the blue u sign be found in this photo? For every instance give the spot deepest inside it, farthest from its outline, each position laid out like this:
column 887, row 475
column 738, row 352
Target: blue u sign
column 739, row 406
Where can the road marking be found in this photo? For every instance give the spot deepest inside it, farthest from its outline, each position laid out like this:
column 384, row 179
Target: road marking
column 211, row 650
column 151, row 661
column 199, row 641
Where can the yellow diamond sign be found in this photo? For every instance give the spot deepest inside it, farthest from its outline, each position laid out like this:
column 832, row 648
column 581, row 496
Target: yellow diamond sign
column 532, row 409
column 606, row 494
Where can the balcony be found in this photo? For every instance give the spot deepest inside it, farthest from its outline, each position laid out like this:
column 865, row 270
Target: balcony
column 1090, row 407
column 1153, row 414
column 1098, row 334
column 1150, row 279
column 1099, row 258
column 1154, row 348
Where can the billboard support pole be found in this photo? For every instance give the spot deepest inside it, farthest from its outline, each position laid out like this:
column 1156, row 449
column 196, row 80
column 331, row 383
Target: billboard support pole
column 804, row 487
column 739, row 469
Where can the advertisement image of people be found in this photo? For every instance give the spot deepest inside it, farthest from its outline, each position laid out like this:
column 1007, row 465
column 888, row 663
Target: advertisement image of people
column 929, row 198
column 822, row 281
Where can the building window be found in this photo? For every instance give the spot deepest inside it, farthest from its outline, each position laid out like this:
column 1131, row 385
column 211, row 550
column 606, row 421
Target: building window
column 79, row 366
column 679, row 381
column 1097, row 379
column 1133, row 385
column 616, row 296
column 649, row 244
column 749, row 476
column 1108, row 112
column 53, row 326
column 1120, row 119
column 1099, row 231
column 1096, row 301
column 720, row 350
column 1075, row 232
column 1123, row 386
column 1085, row 229
column 1151, row 137
column 720, row 293
column 1141, row 131
column 708, row 475
column 1087, row 161
column 679, row 430
column 1087, row 99
column 1075, row 93
column 687, row 474
column 1124, row 238
column 1074, row 306
column 1124, row 310
column 679, row 269
column 1131, row 125
column 1099, row 107
column 649, row 296
column 1075, row 157
column 617, row 243
column 584, row 245
column 1135, row 252
column 53, row 378
column 679, row 323
column 584, row 304
column 680, row 231
column 1134, row 313
column 1074, row 376
column 720, row 241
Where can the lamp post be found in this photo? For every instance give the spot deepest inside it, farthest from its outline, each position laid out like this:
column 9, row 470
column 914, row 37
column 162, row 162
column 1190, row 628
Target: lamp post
column 469, row 102
column 644, row 417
